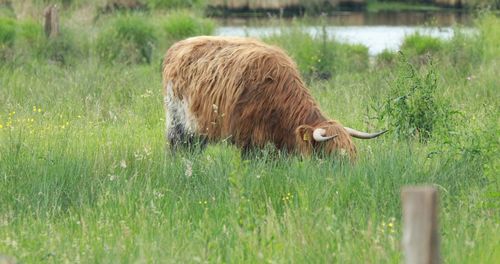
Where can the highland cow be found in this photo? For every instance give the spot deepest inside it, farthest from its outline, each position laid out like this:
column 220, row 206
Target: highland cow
column 249, row 93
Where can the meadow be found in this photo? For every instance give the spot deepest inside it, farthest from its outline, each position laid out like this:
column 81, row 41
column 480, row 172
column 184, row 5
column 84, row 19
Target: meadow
column 85, row 175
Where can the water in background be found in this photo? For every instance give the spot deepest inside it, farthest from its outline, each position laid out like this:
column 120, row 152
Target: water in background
column 377, row 31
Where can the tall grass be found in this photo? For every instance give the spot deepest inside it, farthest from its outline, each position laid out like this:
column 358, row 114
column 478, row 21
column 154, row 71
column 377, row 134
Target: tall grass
column 182, row 24
column 130, row 39
column 85, row 176
column 24, row 40
column 319, row 56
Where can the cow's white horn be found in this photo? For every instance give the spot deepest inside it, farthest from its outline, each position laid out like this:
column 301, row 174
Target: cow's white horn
column 363, row 135
column 319, row 135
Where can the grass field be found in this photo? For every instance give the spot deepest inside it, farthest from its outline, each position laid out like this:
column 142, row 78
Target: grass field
column 85, row 176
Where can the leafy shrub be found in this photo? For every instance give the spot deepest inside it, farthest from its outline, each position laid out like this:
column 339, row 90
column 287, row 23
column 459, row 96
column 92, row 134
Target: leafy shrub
column 182, row 24
column 130, row 39
column 412, row 108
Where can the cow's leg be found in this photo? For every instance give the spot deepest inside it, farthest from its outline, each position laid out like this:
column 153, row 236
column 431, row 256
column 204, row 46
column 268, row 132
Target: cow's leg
column 194, row 142
column 180, row 124
column 175, row 136
column 179, row 137
column 175, row 131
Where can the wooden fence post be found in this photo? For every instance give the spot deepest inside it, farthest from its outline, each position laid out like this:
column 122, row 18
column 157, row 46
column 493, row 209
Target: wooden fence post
column 420, row 225
column 51, row 21
column 7, row 260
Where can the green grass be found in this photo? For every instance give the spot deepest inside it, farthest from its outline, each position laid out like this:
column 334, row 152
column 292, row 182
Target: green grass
column 183, row 24
column 320, row 56
column 130, row 39
column 419, row 44
column 84, row 175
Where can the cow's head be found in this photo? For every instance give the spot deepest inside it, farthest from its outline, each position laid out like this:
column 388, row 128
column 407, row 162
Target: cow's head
column 329, row 137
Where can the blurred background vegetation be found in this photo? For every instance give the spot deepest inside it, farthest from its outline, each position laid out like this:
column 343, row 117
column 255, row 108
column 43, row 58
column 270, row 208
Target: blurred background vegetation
column 139, row 31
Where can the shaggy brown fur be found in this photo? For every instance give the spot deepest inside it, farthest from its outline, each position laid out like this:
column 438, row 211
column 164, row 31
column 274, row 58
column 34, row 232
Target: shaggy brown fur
column 250, row 92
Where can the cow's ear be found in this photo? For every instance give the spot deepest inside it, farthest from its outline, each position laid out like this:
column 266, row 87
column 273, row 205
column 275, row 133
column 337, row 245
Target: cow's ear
column 304, row 133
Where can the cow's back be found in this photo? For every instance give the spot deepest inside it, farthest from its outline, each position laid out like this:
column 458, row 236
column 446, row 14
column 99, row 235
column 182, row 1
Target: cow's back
column 237, row 87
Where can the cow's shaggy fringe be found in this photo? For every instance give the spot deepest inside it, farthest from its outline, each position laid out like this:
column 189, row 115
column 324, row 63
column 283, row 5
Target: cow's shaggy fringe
column 250, row 92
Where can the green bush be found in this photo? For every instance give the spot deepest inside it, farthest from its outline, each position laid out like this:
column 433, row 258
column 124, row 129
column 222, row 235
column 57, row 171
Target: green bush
column 26, row 40
column 351, row 57
column 386, row 58
column 182, row 24
column 63, row 48
column 320, row 57
column 130, row 39
column 300, row 46
column 31, row 36
column 7, row 31
column 7, row 38
column 33, row 43
column 30, row 31
column 463, row 51
column 418, row 44
column 412, row 109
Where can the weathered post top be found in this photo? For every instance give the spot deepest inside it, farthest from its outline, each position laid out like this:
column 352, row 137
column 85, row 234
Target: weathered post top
column 51, row 21
column 420, row 225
